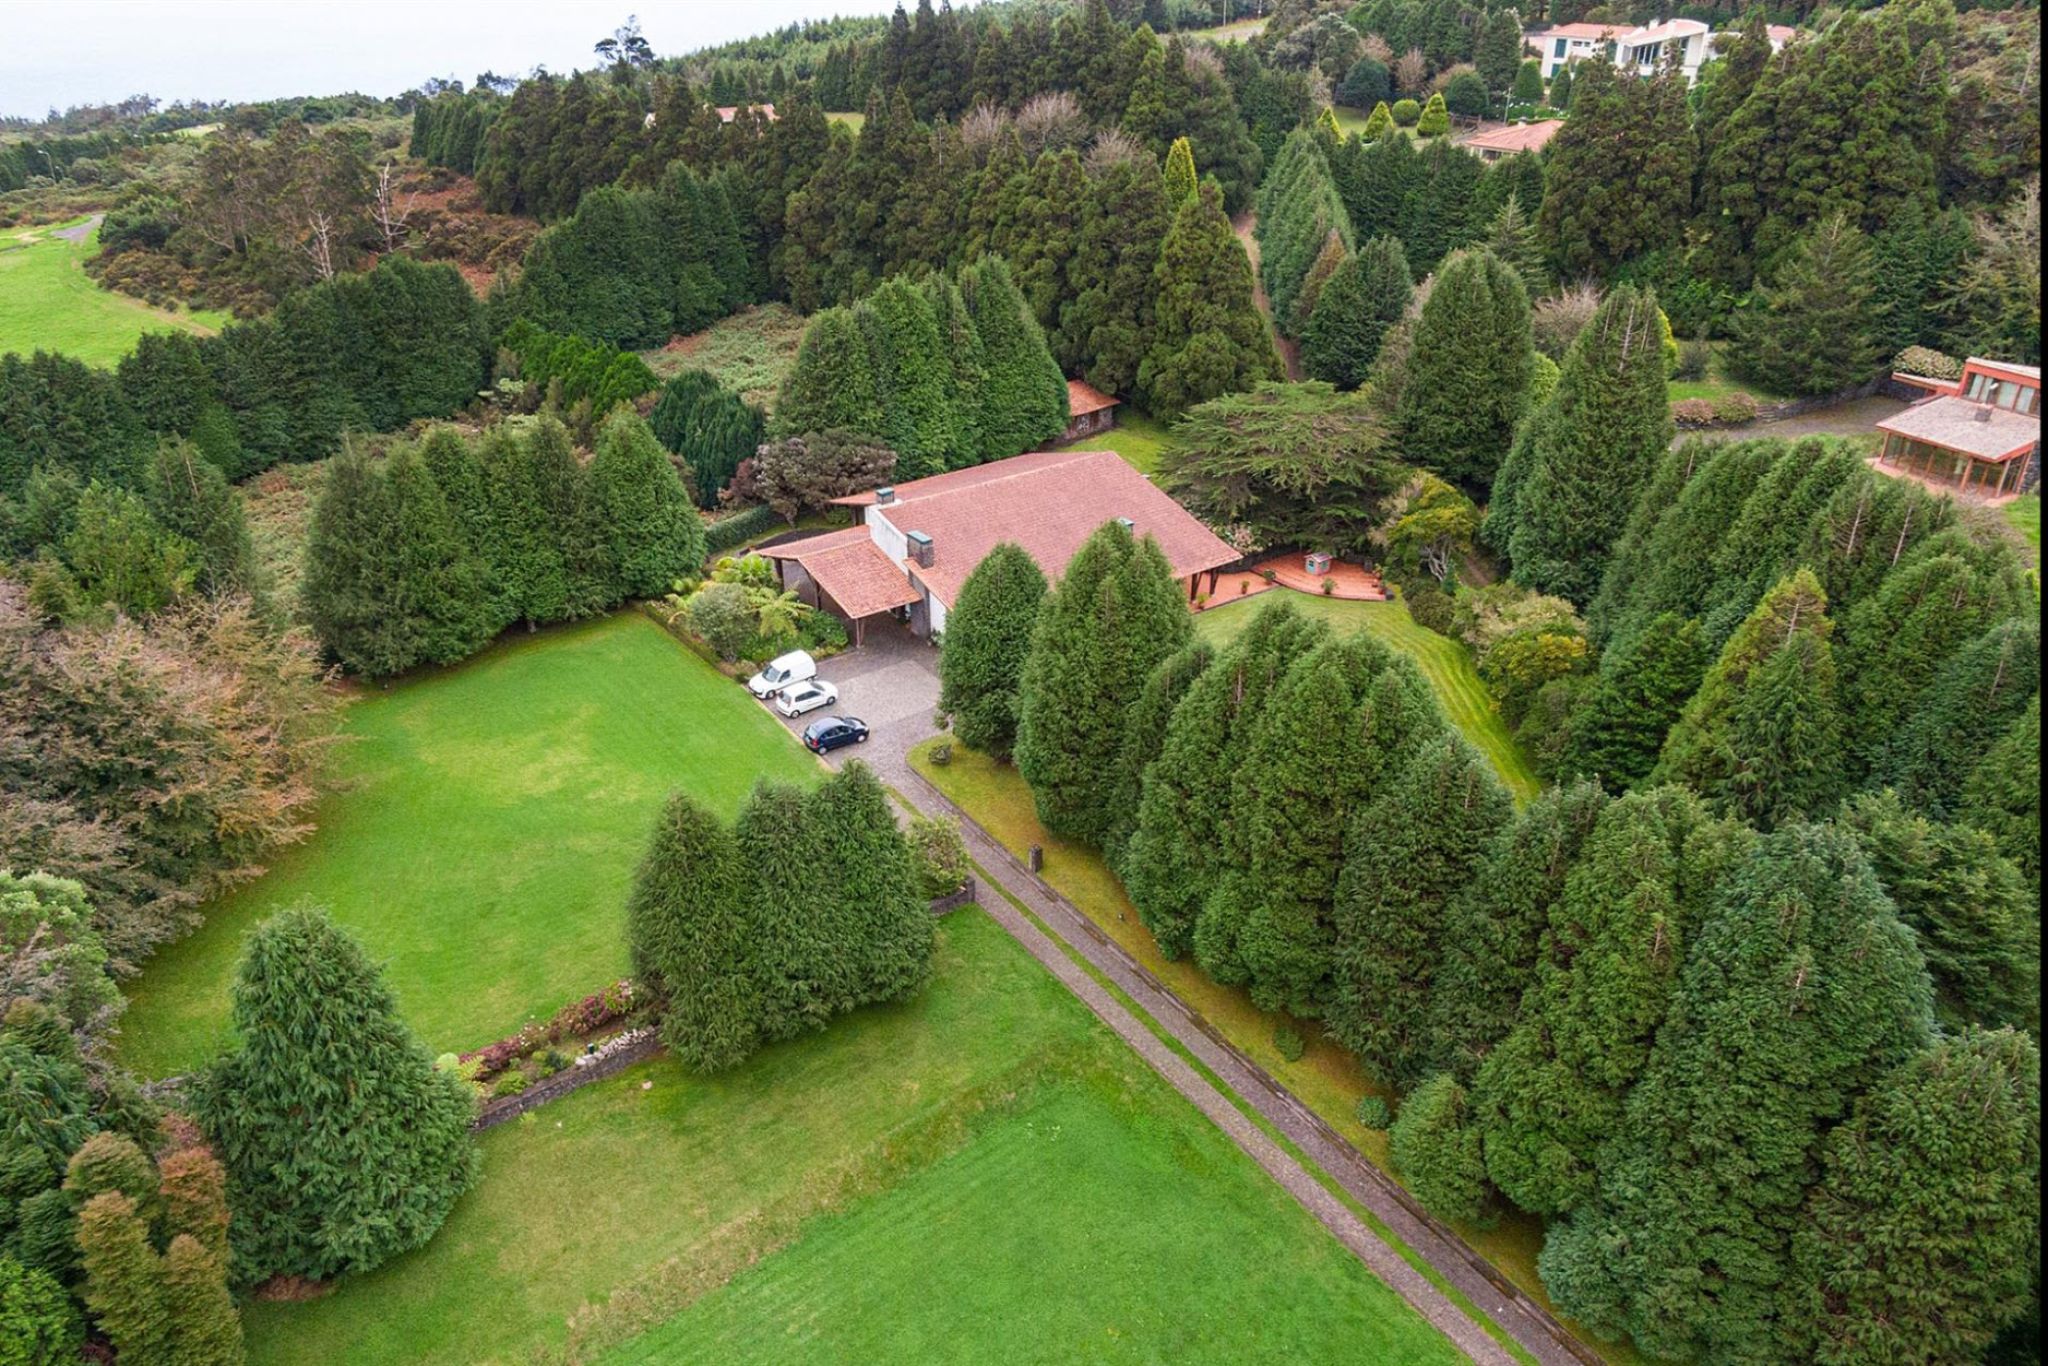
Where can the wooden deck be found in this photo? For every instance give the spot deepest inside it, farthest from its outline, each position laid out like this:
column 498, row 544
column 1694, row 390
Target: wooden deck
column 1351, row 582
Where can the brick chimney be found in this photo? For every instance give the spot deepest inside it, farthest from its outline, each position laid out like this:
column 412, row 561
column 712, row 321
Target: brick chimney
column 920, row 549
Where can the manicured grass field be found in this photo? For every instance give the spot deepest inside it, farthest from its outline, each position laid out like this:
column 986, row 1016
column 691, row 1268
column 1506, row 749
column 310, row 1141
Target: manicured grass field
column 749, row 352
column 853, row 119
column 1718, row 383
column 1136, row 437
column 1444, row 663
column 2024, row 516
column 1326, row 1078
column 49, row 303
column 484, row 831
column 985, row 1164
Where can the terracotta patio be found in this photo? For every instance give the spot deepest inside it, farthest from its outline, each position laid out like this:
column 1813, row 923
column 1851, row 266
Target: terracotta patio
column 1353, row 583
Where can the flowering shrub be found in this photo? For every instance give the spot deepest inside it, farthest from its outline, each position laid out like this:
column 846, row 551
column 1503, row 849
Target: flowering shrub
column 1922, row 360
column 587, row 1016
column 1692, row 412
column 1736, row 407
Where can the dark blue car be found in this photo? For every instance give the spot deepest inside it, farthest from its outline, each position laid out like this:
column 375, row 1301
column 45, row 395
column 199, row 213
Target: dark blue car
column 830, row 732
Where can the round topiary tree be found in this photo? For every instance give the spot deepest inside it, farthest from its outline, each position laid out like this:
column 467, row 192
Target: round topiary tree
column 1406, row 113
column 343, row 1146
column 1436, row 119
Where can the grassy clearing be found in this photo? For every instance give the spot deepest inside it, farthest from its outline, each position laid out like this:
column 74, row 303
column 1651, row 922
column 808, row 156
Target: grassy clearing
column 959, row 1168
column 1718, row 383
column 49, row 303
column 1444, row 663
column 749, row 352
column 853, row 120
column 1136, row 437
column 483, row 833
column 1326, row 1078
column 2024, row 516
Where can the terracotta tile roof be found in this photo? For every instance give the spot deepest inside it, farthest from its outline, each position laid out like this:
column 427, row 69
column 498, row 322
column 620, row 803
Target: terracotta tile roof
column 1587, row 32
column 1516, row 137
column 1084, row 398
column 1657, row 33
column 1780, row 34
column 1049, row 506
column 1957, row 424
column 967, row 478
column 852, row 568
column 726, row 112
column 1986, row 363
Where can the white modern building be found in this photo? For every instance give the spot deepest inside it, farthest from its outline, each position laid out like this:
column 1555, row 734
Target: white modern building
column 1638, row 51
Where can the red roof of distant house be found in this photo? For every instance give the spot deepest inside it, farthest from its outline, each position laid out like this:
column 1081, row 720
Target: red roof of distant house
column 1780, row 34
column 1048, row 502
column 726, row 112
column 1585, row 31
column 1084, row 398
column 1510, row 138
column 852, row 568
column 1967, row 427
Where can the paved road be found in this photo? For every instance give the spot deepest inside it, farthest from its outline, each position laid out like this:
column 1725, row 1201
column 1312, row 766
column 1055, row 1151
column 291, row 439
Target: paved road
column 892, row 684
column 78, row 232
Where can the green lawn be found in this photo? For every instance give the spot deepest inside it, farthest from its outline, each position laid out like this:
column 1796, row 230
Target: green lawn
column 985, row 1163
column 2024, row 516
column 1718, row 383
column 853, row 120
column 49, row 303
column 483, row 833
column 1137, row 438
column 1444, row 663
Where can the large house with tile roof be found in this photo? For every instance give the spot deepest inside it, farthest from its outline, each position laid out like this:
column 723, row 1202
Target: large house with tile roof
column 913, row 545
column 1980, row 432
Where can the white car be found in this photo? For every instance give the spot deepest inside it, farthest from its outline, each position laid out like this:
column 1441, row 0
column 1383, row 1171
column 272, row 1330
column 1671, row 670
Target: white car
column 809, row 695
column 795, row 667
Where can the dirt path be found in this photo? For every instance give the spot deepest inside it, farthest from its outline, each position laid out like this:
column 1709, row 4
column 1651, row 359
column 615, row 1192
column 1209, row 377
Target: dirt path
column 1246, row 225
column 78, row 232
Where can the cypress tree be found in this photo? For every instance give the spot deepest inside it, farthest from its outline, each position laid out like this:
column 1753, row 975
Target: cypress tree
column 1333, row 254
column 692, row 939
column 1341, row 723
column 1977, row 695
column 1493, row 927
column 1364, row 297
column 1298, row 209
column 124, row 1278
column 194, row 1189
column 1763, row 544
column 204, row 1328
column 919, row 419
column 440, row 582
column 461, row 474
column 40, row 1315
column 1145, row 737
column 1209, row 336
column 1176, row 851
column 1116, row 613
column 653, row 535
column 349, row 594
column 1802, row 988
column 832, row 385
column 1561, row 89
column 1607, row 965
column 343, row 1146
column 1468, row 377
column 190, row 497
column 1642, row 686
column 2002, row 795
column 1411, row 850
column 880, row 928
column 1628, row 563
column 1378, row 123
column 1180, row 173
column 711, row 428
column 1917, row 1242
column 785, row 880
column 1978, row 929
column 987, row 639
column 536, row 572
column 1436, row 120
column 969, row 373
column 1025, row 403
column 110, row 1161
column 1435, row 1144
column 1610, row 426
column 1512, row 237
column 1761, row 737
column 1528, row 83
column 1106, row 327
column 1619, row 179
column 1813, row 330
column 1441, row 212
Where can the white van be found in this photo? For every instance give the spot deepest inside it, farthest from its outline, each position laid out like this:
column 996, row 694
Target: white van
column 794, row 667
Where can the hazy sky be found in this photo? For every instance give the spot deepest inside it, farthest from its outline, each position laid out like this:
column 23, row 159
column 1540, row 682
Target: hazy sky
column 65, row 52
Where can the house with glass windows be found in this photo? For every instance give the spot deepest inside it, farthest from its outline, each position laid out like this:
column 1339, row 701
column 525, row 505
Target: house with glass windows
column 1980, row 434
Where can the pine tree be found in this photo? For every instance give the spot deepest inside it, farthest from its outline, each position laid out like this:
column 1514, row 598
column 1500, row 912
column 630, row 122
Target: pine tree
column 1025, row 400
column 1813, row 329
column 1365, row 297
column 440, row 583
column 2002, row 795
column 1802, row 988
column 349, row 594
column 1209, row 337
column 832, row 385
column 1609, row 427
column 653, row 535
column 880, row 926
column 1180, row 173
column 692, row 940
column 204, row 1328
column 124, row 1278
column 1435, row 1144
column 987, row 639
column 1493, row 927
column 1145, row 738
column 1176, row 851
column 1968, row 903
column 1512, row 237
column 1642, row 686
column 1916, row 1243
column 1619, row 180
column 1607, row 964
column 190, row 497
column 343, row 1146
column 1469, row 372
column 1116, row 613
column 1410, row 852
column 1342, row 723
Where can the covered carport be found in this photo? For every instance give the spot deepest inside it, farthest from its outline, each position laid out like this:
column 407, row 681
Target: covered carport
column 845, row 573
